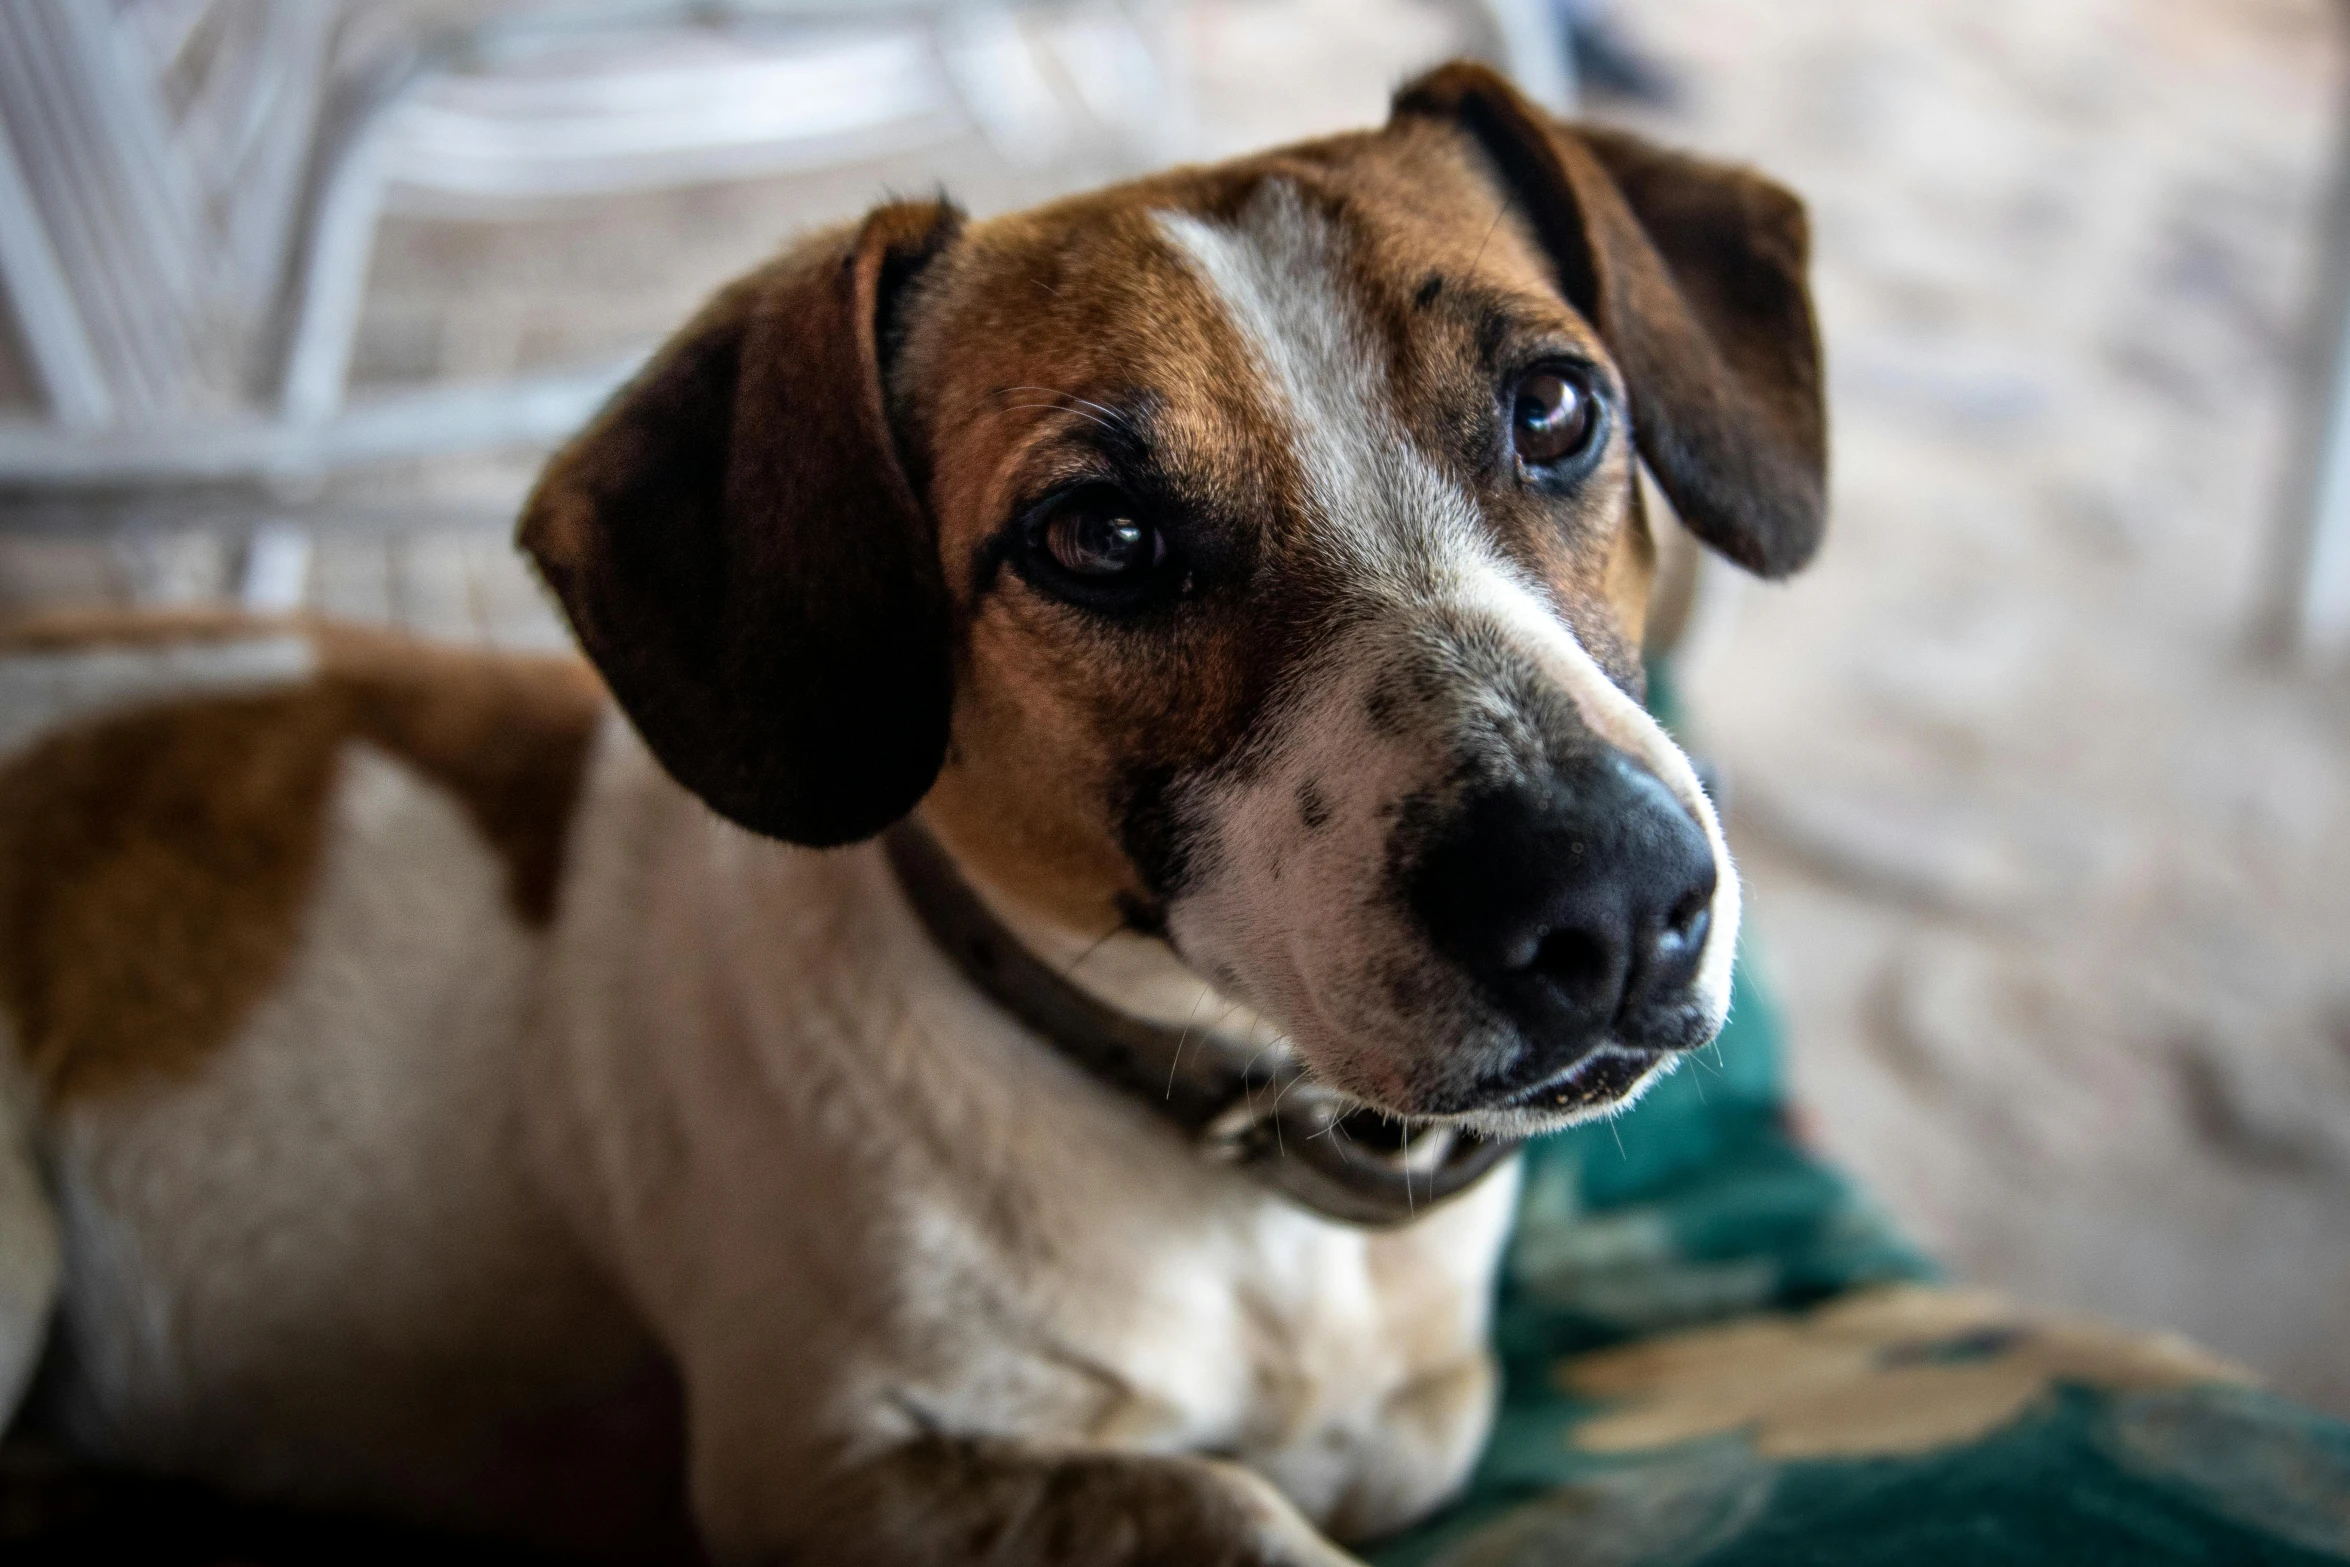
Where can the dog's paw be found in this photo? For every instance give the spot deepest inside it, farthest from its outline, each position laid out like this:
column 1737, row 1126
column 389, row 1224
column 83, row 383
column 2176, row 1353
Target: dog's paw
column 1004, row 1504
column 1278, row 1534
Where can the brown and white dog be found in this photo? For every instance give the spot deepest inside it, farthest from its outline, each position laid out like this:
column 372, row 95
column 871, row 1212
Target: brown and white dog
column 440, row 1088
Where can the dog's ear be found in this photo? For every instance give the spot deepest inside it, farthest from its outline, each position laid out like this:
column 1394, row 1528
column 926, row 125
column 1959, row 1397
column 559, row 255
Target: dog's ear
column 1693, row 273
column 738, row 548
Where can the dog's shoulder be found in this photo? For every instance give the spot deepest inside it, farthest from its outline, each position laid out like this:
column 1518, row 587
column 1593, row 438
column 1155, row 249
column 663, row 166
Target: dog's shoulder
column 165, row 785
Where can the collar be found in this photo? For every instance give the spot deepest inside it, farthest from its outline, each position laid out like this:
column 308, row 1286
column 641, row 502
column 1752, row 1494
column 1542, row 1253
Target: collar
column 1270, row 1118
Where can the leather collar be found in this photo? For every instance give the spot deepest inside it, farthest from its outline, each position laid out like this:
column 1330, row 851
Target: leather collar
column 1270, row 1118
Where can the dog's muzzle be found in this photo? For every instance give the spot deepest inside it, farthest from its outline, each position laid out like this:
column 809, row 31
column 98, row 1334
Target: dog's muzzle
column 1579, row 902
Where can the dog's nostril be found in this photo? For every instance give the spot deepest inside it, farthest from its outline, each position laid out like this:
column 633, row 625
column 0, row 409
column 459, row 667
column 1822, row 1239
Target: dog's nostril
column 1577, row 962
column 1687, row 919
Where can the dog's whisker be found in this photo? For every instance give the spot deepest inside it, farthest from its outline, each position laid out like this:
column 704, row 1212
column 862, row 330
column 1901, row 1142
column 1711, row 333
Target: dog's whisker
column 1116, row 415
column 1061, row 408
column 1248, row 1069
column 1275, row 1113
column 1181, row 1040
column 1062, row 405
column 1116, row 421
column 1488, row 239
column 1408, row 1205
column 1285, row 1088
column 1099, row 942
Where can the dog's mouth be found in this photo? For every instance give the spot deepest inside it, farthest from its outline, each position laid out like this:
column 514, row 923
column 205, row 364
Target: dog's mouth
column 1604, row 1076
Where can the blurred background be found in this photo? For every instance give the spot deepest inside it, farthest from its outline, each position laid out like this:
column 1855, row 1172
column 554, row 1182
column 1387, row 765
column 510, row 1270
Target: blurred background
column 2041, row 776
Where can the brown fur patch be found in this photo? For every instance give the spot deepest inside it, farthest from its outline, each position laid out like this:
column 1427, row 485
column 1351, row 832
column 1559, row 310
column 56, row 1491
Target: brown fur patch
column 154, row 865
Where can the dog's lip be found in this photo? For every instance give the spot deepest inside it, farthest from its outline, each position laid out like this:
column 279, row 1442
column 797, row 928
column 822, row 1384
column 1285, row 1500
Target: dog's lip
column 1601, row 1075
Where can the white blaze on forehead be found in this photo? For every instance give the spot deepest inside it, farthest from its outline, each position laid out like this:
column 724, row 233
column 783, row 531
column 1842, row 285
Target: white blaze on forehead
column 1279, row 272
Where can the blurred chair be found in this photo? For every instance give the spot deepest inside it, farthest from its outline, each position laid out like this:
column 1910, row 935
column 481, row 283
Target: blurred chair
column 189, row 189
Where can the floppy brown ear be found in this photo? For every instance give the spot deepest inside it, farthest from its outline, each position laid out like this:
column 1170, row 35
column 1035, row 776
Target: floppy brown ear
column 1693, row 273
column 738, row 549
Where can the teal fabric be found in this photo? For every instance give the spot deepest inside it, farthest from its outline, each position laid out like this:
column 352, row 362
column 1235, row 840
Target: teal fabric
column 1698, row 1206
column 2219, row 1476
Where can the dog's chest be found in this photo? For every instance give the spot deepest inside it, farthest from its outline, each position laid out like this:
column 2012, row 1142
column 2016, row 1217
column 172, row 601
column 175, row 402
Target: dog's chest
column 924, row 1219
column 1348, row 1366
column 1104, row 1288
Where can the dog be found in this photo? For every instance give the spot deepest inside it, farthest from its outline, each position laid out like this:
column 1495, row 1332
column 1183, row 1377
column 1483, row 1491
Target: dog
column 987, row 1019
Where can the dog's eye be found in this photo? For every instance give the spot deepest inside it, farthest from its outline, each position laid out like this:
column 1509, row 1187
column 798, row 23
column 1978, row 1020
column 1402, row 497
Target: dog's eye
column 1094, row 534
column 1553, row 416
column 1096, row 547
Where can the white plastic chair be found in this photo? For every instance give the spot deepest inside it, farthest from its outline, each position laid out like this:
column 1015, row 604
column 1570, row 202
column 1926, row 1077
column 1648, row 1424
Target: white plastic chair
column 189, row 189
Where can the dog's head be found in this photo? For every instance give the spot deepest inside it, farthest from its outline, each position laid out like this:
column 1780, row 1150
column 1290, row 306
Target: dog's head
column 1252, row 553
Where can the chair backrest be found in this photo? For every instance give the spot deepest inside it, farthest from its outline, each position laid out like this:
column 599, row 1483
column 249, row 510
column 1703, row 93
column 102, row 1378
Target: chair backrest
column 189, row 188
column 156, row 150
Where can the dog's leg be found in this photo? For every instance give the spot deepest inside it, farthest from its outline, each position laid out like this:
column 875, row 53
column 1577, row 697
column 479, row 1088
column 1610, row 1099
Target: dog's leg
column 941, row 1500
column 30, row 1261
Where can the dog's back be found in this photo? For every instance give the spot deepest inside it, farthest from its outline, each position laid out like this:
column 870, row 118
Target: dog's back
column 56, row 677
column 271, row 901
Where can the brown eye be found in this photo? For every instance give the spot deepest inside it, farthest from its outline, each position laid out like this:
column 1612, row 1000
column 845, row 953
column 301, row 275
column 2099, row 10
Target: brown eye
column 1096, row 536
column 1551, row 418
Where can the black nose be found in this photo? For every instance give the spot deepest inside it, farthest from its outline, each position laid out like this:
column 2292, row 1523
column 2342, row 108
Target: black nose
column 1580, row 903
